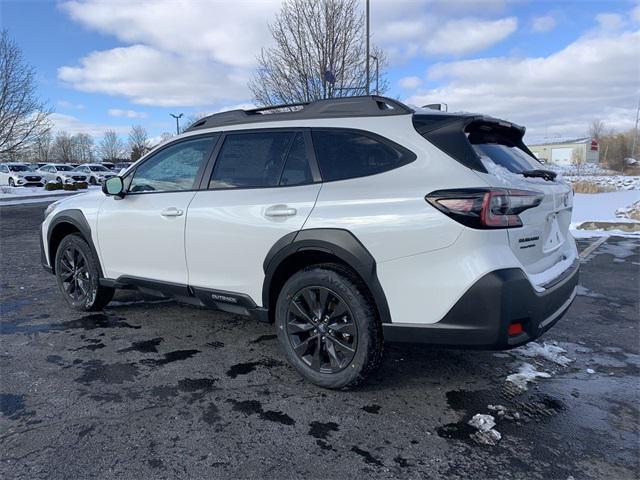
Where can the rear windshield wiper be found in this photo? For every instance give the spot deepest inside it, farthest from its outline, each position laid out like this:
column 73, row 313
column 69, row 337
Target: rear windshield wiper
column 546, row 174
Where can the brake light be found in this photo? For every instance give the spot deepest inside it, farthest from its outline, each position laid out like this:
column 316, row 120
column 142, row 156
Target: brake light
column 485, row 208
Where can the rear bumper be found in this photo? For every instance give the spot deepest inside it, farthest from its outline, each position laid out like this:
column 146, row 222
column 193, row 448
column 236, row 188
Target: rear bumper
column 481, row 318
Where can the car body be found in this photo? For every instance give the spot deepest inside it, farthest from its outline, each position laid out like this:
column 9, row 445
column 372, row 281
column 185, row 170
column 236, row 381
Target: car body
column 346, row 223
column 109, row 165
column 61, row 173
column 95, row 172
column 19, row 175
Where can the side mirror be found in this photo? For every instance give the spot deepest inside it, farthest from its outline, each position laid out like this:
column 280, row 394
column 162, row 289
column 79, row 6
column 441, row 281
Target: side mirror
column 113, row 186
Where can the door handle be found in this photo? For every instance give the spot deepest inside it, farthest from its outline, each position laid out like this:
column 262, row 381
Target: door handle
column 280, row 211
column 171, row 212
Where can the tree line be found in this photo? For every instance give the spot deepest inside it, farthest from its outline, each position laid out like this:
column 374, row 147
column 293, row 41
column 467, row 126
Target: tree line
column 615, row 148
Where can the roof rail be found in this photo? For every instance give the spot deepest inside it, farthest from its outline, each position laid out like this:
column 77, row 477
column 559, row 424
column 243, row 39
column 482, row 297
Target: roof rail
column 363, row 106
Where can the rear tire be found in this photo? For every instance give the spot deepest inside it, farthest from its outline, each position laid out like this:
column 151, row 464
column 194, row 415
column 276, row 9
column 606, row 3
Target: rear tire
column 328, row 326
column 78, row 275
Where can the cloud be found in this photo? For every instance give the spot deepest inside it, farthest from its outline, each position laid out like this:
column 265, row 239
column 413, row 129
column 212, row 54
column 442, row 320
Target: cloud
column 116, row 112
column 610, row 21
column 462, row 37
column 410, row 82
column 69, row 105
column 73, row 125
column 226, row 32
column 593, row 77
column 152, row 77
column 544, row 23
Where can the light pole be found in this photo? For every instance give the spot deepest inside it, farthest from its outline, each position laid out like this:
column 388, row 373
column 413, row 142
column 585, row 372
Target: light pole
column 177, row 117
column 367, row 17
column 377, row 74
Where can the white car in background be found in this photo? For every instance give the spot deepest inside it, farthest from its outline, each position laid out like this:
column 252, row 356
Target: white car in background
column 61, row 173
column 19, row 175
column 96, row 172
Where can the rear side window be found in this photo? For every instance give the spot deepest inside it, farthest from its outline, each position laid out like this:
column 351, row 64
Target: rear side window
column 261, row 159
column 348, row 154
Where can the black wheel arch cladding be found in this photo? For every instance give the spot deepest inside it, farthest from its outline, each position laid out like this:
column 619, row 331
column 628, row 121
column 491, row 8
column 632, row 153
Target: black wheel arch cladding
column 76, row 219
column 339, row 243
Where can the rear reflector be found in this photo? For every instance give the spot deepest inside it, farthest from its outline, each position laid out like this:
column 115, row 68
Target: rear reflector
column 485, row 208
column 514, row 329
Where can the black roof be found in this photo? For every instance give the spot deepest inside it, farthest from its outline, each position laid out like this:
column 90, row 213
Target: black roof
column 364, row 106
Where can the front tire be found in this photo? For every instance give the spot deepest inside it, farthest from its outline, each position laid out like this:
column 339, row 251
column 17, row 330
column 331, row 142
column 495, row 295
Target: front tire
column 59, row 180
column 93, row 181
column 328, row 326
column 78, row 275
column 12, row 183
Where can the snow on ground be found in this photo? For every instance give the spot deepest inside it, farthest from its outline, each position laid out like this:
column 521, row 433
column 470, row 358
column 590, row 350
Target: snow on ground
column 19, row 195
column 526, row 373
column 550, row 352
column 602, row 207
column 608, row 182
column 486, row 434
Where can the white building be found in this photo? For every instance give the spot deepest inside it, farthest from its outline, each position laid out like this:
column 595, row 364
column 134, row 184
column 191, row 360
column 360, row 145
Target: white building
column 568, row 151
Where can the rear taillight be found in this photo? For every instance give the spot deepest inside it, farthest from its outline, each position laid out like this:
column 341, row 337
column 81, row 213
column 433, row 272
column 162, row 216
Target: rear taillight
column 485, row 207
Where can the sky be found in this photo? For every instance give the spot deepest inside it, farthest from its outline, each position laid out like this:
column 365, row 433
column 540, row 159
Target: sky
column 553, row 66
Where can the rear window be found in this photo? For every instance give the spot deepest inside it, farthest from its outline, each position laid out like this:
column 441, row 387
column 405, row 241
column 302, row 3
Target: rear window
column 346, row 154
column 511, row 158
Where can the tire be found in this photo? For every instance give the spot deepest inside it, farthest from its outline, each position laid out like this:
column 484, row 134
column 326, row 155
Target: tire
column 78, row 273
column 92, row 180
column 58, row 180
column 319, row 345
column 12, row 183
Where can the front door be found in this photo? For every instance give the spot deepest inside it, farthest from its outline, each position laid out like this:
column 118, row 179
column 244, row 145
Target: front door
column 263, row 186
column 142, row 234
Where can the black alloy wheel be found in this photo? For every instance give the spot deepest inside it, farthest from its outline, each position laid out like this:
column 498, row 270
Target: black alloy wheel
column 74, row 274
column 321, row 329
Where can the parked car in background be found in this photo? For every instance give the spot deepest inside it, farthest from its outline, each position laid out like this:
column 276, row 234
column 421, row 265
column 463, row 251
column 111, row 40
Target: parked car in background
column 61, row 173
column 109, row 165
column 121, row 166
column 96, row 172
column 19, row 175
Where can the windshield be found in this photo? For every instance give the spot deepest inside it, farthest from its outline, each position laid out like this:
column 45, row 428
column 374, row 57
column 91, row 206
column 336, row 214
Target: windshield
column 98, row 168
column 512, row 158
column 63, row 168
column 18, row 168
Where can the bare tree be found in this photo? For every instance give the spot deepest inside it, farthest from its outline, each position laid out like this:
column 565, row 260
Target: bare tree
column 41, row 147
column 23, row 117
column 82, row 148
column 111, row 147
column 577, row 159
column 319, row 52
column 62, row 147
column 138, row 142
column 596, row 129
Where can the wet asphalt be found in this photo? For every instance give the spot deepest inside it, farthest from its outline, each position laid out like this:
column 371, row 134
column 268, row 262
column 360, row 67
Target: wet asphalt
column 156, row 389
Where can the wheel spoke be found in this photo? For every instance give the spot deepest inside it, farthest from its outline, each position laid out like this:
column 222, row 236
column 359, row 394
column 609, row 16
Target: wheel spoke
column 299, row 327
column 296, row 309
column 323, row 302
column 343, row 327
column 69, row 257
column 66, row 276
column 333, row 355
column 310, row 298
column 301, row 348
column 316, row 360
column 339, row 310
column 342, row 346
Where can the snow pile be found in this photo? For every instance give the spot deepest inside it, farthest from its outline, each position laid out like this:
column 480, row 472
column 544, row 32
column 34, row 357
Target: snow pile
column 7, row 193
column 527, row 373
column 486, row 434
column 503, row 413
column 583, row 170
column 585, row 292
column 601, row 208
column 553, row 353
column 608, row 182
column 631, row 212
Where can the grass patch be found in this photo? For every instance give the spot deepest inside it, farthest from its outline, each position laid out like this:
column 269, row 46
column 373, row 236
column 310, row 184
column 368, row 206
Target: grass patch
column 52, row 186
column 584, row 186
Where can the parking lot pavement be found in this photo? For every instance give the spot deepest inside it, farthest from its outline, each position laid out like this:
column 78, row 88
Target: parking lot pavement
column 164, row 390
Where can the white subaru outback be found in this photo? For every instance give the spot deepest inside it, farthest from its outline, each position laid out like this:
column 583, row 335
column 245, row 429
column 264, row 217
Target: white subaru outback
column 345, row 222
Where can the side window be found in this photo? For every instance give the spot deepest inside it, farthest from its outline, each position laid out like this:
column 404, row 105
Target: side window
column 296, row 169
column 4, row 169
column 346, row 154
column 172, row 169
column 251, row 160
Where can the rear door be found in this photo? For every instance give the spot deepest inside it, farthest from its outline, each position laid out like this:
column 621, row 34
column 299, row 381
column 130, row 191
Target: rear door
column 262, row 186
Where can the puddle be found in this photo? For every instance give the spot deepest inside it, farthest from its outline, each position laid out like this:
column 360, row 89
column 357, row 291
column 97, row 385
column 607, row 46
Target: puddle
column 248, row 367
column 322, row 430
column 367, row 457
column 144, row 346
column 372, row 408
column 11, row 405
column 112, row 373
column 88, row 322
column 175, row 356
column 254, row 407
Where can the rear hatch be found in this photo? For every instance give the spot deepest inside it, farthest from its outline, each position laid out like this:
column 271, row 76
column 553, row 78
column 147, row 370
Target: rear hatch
column 539, row 243
column 495, row 150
